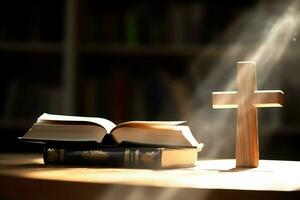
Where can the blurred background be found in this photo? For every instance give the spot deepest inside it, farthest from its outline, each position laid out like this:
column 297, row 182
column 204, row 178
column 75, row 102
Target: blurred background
column 156, row 60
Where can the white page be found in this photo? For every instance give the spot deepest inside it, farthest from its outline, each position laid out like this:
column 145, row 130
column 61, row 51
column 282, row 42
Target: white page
column 106, row 124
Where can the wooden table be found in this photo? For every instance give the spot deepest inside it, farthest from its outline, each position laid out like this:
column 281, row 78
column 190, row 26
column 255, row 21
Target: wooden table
column 24, row 176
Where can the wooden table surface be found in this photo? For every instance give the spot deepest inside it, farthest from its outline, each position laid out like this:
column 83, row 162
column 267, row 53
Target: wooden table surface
column 24, row 176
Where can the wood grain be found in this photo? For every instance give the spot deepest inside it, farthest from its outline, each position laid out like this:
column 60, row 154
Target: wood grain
column 246, row 99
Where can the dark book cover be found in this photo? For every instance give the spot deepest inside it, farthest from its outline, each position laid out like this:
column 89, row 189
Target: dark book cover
column 113, row 157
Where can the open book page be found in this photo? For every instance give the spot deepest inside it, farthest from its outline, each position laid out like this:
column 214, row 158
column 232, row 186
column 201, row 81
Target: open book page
column 185, row 132
column 58, row 132
column 106, row 124
column 150, row 124
column 189, row 136
column 156, row 134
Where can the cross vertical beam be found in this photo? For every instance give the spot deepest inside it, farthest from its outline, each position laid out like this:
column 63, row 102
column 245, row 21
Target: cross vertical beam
column 247, row 152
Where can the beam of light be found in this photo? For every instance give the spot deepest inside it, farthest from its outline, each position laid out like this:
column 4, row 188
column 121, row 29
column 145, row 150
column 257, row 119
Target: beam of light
column 261, row 35
column 275, row 40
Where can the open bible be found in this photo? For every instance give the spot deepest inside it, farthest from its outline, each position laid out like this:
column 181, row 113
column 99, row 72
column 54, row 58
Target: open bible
column 63, row 128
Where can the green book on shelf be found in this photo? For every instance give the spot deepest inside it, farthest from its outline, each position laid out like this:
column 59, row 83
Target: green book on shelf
column 123, row 157
column 65, row 129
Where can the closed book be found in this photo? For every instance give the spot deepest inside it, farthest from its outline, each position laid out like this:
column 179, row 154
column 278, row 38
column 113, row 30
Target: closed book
column 123, row 157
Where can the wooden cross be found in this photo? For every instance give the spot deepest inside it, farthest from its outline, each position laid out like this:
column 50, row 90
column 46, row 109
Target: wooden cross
column 246, row 99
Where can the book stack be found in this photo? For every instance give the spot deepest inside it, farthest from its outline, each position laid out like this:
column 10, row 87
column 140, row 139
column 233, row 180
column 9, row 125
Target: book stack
column 77, row 140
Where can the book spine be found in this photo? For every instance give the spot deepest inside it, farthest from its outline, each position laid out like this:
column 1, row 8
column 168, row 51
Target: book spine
column 118, row 157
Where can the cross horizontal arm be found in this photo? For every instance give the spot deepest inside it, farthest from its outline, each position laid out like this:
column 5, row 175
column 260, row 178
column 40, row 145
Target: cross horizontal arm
column 268, row 98
column 226, row 99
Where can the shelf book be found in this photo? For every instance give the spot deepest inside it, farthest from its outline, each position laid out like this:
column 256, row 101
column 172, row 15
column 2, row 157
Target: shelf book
column 85, row 140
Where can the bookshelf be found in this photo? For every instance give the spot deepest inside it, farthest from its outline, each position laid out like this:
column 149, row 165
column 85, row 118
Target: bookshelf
column 79, row 28
column 32, row 50
column 35, row 53
column 75, row 42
